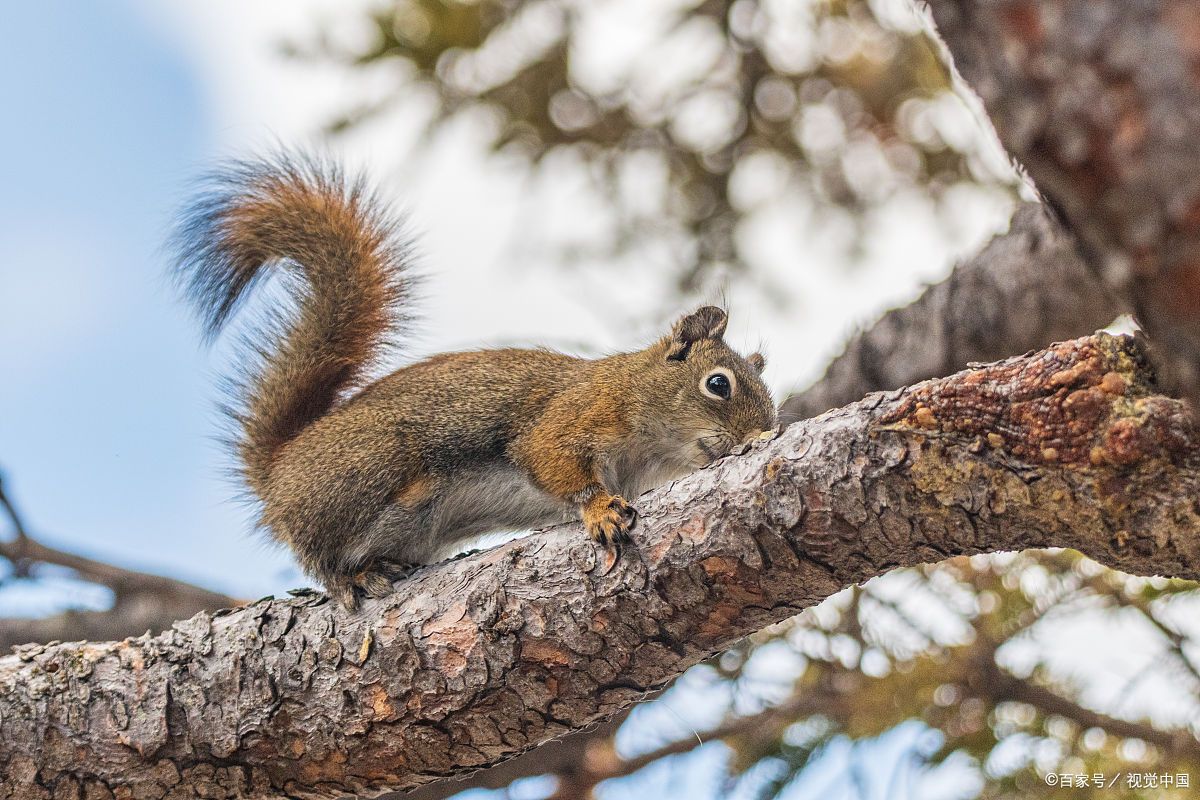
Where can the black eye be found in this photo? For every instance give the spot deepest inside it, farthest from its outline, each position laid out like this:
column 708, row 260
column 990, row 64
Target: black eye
column 718, row 384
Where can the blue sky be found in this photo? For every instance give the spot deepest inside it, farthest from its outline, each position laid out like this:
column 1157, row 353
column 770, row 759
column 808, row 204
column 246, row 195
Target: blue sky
column 106, row 418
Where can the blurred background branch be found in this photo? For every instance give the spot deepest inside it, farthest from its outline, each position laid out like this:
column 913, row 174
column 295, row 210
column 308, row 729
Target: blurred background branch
column 1026, row 288
column 140, row 602
column 710, row 114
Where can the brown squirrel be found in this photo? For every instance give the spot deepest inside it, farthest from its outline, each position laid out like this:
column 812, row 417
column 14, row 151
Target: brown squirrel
column 365, row 485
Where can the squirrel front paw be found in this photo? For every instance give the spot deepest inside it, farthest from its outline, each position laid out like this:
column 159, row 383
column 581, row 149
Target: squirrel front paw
column 608, row 519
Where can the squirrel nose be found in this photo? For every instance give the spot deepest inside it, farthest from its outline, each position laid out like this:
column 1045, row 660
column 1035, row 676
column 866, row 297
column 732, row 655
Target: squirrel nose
column 755, row 435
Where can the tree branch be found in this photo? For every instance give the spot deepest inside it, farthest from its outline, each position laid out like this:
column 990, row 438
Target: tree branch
column 1177, row 743
column 130, row 615
column 21, row 534
column 556, row 757
column 474, row 661
column 1027, row 288
column 1101, row 104
column 600, row 761
column 838, row 693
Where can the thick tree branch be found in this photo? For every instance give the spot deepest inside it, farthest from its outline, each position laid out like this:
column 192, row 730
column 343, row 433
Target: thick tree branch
column 474, row 661
column 1026, row 289
column 1100, row 101
column 838, row 692
column 558, row 757
column 131, row 614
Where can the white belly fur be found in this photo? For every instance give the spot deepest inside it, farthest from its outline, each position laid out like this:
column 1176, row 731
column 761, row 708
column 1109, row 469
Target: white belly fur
column 498, row 499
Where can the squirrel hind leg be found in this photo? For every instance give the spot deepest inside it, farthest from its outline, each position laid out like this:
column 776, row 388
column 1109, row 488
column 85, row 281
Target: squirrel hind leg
column 375, row 580
column 342, row 591
column 366, row 564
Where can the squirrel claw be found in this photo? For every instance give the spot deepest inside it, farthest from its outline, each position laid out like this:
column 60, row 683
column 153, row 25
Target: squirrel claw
column 375, row 581
column 610, row 524
column 397, row 570
column 342, row 591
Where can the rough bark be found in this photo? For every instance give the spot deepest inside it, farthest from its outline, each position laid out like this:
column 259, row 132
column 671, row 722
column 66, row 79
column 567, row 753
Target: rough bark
column 131, row 615
column 1100, row 101
column 1026, row 289
column 476, row 660
column 563, row 756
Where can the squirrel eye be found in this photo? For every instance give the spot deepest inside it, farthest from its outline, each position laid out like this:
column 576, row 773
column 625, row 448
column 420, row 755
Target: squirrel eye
column 718, row 385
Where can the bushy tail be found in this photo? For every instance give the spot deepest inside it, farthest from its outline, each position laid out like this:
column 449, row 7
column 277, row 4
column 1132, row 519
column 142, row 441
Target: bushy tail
column 302, row 214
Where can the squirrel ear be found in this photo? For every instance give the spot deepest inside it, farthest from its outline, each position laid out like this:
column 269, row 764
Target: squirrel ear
column 757, row 361
column 703, row 323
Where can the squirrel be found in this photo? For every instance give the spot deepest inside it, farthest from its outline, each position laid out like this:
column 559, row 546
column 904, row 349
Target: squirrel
column 366, row 480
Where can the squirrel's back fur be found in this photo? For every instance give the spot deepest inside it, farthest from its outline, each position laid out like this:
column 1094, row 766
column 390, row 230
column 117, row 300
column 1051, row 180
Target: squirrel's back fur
column 304, row 214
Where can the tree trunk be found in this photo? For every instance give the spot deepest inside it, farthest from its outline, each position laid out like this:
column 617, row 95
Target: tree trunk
column 476, row 660
column 1100, row 101
column 1026, row 289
